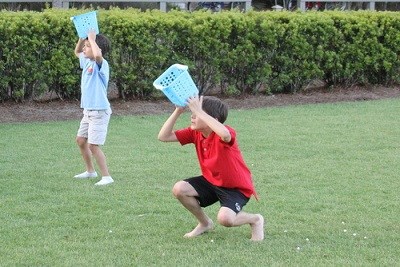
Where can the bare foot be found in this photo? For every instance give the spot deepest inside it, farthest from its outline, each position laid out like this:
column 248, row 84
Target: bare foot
column 200, row 229
column 257, row 229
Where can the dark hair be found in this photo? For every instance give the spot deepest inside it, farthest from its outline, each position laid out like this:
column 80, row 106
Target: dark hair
column 215, row 108
column 104, row 43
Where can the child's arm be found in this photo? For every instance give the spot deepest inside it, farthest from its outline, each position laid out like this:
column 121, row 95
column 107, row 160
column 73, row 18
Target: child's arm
column 79, row 47
column 195, row 104
column 98, row 56
column 166, row 133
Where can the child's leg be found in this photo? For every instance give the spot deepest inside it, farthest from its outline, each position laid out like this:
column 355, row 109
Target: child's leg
column 86, row 153
column 97, row 133
column 229, row 218
column 101, row 161
column 186, row 194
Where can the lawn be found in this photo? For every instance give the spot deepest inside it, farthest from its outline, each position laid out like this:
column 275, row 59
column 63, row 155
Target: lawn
column 327, row 176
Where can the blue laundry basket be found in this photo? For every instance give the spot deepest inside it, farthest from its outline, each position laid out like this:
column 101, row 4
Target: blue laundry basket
column 85, row 22
column 176, row 84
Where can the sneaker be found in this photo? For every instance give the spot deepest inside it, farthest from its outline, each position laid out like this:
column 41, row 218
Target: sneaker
column 105, row 180
column 86, row 174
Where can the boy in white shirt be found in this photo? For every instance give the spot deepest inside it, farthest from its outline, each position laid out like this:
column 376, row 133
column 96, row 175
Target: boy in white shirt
column 94, row 101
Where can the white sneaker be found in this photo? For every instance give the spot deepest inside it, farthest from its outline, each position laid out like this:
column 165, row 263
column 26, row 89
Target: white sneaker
column 105, row 180
column 86, row 174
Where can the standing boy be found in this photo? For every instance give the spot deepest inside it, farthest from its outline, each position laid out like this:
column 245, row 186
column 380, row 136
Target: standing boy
column 94, row 101
column 225, row 176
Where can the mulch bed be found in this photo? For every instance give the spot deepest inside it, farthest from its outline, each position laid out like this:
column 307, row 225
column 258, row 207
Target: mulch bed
column 57, row 110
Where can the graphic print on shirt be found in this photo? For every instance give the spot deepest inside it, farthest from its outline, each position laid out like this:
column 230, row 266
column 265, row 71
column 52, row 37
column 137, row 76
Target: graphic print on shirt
column 89, row 68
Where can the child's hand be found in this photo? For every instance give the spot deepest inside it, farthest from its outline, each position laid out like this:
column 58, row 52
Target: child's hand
column 195, row 103
column 179, row 109
column 92, row 35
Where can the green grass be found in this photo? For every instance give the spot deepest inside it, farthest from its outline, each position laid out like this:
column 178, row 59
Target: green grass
column 327, row 176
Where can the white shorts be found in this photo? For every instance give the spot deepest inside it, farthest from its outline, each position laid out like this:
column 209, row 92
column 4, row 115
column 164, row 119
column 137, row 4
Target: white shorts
column 94, row 125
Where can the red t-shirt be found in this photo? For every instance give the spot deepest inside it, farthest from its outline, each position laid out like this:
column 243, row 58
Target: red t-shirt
column 221, row 163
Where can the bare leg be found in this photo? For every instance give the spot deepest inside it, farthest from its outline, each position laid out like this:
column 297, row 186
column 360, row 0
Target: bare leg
column 257, row 228
column 98, row 154
column 85, row 152
column 229, row 218
column 186, row 194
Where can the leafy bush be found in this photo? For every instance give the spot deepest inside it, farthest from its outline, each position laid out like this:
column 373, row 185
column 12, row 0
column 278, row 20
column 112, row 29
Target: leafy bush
column 227, row 53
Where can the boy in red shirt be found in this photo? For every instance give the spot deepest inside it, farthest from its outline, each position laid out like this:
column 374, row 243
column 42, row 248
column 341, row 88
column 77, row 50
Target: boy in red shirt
column 225, row 176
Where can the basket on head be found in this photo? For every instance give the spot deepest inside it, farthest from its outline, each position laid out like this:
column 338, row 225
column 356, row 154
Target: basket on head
column 85, row 22
column 176, row 84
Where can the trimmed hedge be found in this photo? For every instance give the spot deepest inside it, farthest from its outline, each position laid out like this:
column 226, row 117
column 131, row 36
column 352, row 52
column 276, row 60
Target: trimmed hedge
column 228, row 52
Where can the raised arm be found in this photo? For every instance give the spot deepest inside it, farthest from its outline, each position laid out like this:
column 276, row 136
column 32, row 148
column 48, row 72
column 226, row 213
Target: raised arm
column 195, row 105
column 97, row 54
column 79, row 47
column 166, row 133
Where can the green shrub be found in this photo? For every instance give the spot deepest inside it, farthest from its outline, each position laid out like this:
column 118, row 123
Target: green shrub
column 229, row 53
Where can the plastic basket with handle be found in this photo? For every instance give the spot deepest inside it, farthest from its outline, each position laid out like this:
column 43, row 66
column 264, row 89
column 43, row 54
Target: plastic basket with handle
column 176, row 84
column 85, row 22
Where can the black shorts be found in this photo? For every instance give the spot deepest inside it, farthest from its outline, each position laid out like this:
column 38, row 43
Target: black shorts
column 209, row 194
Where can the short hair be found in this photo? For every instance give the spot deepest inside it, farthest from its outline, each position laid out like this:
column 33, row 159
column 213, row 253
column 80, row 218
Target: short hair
column 104, row 43
column 215, row 108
